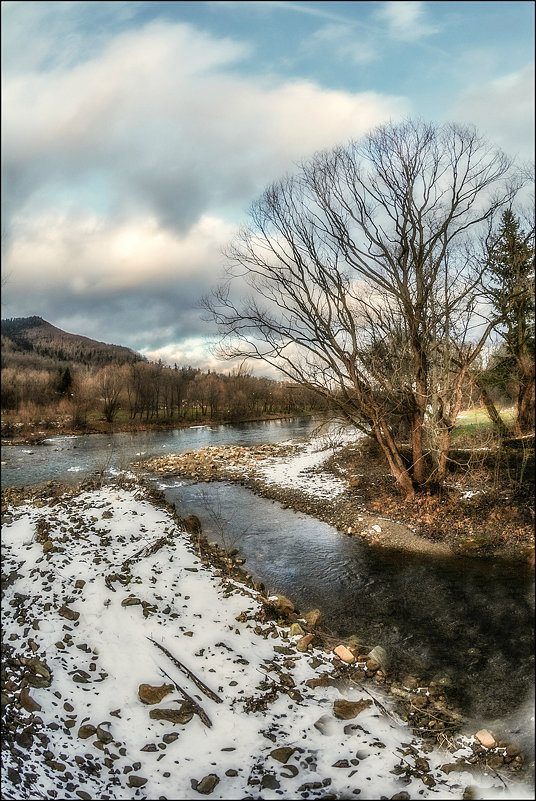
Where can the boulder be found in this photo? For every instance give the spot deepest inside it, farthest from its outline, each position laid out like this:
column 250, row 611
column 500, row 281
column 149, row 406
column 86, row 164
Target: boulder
column 296, row 629
column 345, row 710
column 150, row 694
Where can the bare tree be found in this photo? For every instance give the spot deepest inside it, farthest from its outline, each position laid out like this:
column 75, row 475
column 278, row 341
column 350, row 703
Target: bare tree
column 363, row 288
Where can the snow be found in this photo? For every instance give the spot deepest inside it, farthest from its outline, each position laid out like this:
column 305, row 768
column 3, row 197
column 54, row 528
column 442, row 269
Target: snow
column 195, row 619
column 302, row 471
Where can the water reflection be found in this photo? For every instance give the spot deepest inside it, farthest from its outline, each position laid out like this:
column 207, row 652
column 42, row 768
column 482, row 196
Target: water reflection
column 466, row 622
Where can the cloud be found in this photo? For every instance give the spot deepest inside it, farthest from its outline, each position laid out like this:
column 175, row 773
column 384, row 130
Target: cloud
column 406, row 20
column 167, row 127
column 346, row 43
column 513, row 94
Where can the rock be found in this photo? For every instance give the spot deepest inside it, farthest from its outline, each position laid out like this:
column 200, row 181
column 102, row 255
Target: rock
column 24, row 739
column 207, row 784
column 136, row 781
column 296, row 629
column 322, row 681
column 485, row 738
column 269, row 782
column 79, row 584
column 326, row 725
column 48, row 546
column 379, row 655
column 28, row 703
column 345, row 710
column 107, row 515
column 313, row 618
column 37, row 667
column 182, row 715
column 70, row 614
column 282, row 605
column 103, row 735
column 282, row 754
column 344, row 653
column 304, row 643
column 170, row 738
column 86, row 731
column 150, row 694
column 130, row 602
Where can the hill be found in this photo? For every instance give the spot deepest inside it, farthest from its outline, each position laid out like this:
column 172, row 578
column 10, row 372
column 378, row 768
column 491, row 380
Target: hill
column 34, row 343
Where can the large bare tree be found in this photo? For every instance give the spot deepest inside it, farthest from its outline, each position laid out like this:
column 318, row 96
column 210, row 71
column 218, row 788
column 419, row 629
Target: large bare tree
column 354, row 278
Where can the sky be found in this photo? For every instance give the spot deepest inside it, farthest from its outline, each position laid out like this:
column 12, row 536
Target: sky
column 136, row 135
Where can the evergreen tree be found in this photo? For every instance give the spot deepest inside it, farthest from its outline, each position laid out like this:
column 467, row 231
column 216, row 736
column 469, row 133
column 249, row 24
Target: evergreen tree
column 511, row 291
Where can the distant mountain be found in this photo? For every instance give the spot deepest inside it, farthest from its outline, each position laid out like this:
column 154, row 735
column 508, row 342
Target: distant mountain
column 32, row 342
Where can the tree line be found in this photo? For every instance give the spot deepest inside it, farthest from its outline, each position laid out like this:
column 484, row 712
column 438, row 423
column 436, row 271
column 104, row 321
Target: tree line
column 147, row 392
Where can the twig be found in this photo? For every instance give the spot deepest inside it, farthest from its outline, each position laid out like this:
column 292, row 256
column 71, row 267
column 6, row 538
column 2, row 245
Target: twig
column 195, row 706
column 203, row 687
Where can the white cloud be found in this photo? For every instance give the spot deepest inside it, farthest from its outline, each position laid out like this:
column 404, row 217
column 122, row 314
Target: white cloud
column 513, row 128
column 88, row 255
column 406, row 20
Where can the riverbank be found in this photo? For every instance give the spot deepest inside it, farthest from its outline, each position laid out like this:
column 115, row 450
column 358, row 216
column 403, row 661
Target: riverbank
column 15, row 432
column 105, row 591
column 344, row 484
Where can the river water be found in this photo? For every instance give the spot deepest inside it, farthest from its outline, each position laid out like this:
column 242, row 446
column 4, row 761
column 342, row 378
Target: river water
column 467, row 622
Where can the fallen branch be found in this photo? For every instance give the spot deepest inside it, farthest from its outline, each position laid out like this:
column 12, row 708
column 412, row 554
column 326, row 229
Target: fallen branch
column 193, row 703
column 203, row 687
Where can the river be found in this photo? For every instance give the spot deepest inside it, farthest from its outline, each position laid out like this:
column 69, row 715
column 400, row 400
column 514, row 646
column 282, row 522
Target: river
column 466, row 622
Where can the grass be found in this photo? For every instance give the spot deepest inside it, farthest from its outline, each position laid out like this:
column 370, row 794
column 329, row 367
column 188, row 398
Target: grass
column 474, row 422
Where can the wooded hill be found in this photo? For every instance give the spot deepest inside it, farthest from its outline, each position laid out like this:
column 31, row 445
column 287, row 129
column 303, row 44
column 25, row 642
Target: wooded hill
column 34, row 343
column 55, row 379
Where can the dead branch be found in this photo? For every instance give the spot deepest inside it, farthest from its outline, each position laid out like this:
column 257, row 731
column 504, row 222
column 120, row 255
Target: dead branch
column 195, row 706
column 202, row 686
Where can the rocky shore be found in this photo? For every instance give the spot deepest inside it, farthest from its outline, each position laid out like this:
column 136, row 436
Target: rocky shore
column 106, row 591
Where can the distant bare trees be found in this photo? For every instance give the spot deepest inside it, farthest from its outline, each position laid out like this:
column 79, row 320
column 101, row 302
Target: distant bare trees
column 364, row 287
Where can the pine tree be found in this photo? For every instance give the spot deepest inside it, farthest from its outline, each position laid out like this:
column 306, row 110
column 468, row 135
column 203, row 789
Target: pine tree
column 511, row 291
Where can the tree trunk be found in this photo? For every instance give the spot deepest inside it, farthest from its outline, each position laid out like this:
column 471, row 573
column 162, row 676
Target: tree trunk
column 525, row 406
column 498, row 423
column 416, row 444
column 395, row 461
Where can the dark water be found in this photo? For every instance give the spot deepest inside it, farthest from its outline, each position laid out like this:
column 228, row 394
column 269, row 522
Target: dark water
column 460, row 620
column 467, row 622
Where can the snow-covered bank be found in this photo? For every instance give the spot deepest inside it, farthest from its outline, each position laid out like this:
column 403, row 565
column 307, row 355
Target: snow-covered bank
column 94, row 583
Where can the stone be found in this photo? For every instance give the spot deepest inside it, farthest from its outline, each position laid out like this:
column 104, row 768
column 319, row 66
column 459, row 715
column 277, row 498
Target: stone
column 313, row 618
column 104, row 736
column 70, row 614
column 282, row 754
column 344, row 654
column 86, row 731
column 28, row 703
column 326, row 725
column 295, row 630
column 207, row 784
column 136, row 781
column 379, row 655
column 282, row 605
column 79, row 584
column 269, row 782
column 485, row 738
column 150, row 694
column 130, row 602
column 345, row 710
column 39, row 668
column 182, row 715
column 304, row 642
